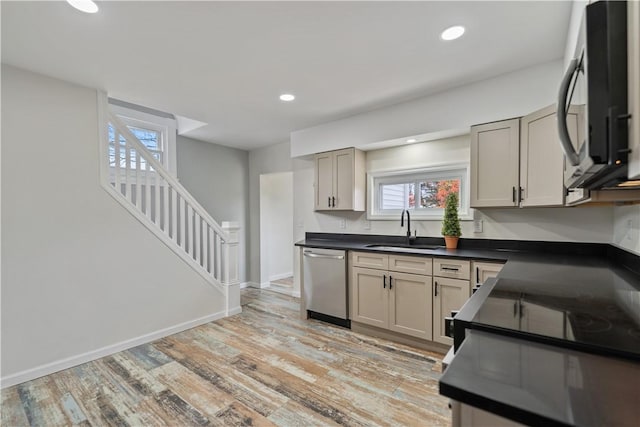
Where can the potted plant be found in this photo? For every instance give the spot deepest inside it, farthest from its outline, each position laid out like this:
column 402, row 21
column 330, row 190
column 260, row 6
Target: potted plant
column 451, row 223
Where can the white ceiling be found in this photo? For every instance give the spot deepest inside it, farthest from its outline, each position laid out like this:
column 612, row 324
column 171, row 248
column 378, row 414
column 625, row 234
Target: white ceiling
column 225, row 63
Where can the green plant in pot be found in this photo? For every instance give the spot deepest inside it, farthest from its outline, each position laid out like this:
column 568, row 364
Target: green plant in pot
column 451, row 223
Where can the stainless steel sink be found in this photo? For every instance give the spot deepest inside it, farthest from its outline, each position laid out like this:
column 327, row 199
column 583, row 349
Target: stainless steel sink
column 404, row 248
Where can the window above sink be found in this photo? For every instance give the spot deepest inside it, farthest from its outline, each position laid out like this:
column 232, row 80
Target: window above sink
column 421, row 191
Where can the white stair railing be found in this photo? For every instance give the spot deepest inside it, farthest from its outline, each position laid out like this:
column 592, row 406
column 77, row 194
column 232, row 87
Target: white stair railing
column 140, row 183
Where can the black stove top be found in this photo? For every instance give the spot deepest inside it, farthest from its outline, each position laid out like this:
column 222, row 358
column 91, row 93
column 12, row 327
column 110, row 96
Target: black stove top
column 595, row 309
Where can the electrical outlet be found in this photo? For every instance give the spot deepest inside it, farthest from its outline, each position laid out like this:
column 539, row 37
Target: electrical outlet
column 343, row 224
column 366, row 224
column 477, row 226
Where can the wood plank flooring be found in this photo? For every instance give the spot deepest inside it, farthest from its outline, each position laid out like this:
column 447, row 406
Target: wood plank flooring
column 284, row 286
column 263, row 367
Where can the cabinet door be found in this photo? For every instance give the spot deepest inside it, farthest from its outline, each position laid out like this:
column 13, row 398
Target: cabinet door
column 369, row 298
column 495, row 163
column 542, row 320
column 473, row 417
column 324, row 181
column 542, row 159
column 633, row 49
column 343, row 179
column 410, row 304
column 448, row 295
column 485, row 270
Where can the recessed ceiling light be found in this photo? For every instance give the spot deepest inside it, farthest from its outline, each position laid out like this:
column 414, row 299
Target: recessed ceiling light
column 411, row 140
column 287, row 97
column 86, row 6
column 452, row 33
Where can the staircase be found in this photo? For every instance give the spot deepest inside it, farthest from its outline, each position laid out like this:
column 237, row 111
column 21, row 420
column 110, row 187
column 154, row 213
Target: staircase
column 136, row 179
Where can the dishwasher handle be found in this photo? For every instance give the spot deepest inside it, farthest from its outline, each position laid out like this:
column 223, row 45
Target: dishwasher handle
column 314, row 255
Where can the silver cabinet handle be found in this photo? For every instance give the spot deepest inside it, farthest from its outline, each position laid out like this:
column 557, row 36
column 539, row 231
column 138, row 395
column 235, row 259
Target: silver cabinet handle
column 312, row 255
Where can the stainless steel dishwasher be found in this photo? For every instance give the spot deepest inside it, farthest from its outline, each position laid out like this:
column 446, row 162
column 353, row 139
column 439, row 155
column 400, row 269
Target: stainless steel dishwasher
column 325, row 285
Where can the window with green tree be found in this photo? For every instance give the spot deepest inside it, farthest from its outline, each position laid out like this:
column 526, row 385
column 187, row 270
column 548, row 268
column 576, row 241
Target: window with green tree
column 423, row 191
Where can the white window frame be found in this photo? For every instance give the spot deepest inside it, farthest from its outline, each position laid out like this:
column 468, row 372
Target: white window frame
column 448, row 170
column 165, row 126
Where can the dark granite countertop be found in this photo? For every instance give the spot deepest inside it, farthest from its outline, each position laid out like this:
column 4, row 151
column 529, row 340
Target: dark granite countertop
column 513, row 373
column 538, row 384
column 525, row 258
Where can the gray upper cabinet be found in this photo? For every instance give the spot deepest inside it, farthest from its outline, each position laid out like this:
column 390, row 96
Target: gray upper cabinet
column 542, row 159
column 519, row 162
column 494, row 164
column 340, row 180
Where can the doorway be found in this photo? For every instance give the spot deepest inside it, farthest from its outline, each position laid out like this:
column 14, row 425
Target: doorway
column 276, row 232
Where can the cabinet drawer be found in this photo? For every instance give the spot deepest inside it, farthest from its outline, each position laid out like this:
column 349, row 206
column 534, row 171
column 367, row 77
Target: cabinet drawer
column 411, row 264
column 370, row 260
column 453, row 268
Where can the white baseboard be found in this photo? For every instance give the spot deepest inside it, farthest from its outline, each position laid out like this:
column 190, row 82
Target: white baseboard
column 295, row 294
column 235, row 310
column 250, row 285
column 265, row 285
column 245, row 285
column 280, row 276
column 59, row 365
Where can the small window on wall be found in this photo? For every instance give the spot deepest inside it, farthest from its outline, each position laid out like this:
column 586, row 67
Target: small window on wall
column 152, row 139
column 422, row 191
column 157, row 132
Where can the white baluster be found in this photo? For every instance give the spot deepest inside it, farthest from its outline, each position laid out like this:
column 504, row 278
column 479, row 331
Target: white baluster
column 190, row 229
column 198, row 230
column 147, row 191
column 164, row 186
column 183, row 221
column 212, row 268
column 116, row 158
column 138, row 183
column 128, row 183
column 156, row 181
column 174, row 214
column 218, row 257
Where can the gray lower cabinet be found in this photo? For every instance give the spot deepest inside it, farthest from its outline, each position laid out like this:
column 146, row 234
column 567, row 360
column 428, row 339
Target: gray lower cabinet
column 484, row 270
column 392, row 299
column 369, row 299
column 448, row 295
column 411, row 294
column 469, row 416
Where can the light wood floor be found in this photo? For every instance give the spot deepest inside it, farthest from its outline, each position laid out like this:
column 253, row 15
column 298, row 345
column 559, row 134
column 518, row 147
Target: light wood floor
column 284, row 286
column 262, row 367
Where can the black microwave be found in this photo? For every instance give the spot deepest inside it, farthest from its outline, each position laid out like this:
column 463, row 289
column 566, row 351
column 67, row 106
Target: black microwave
column 595, row 85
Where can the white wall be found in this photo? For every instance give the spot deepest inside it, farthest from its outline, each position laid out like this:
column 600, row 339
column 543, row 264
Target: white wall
column 79, row 273
column 588, row 224
column 275, row 158
column 626, row 233
column 218, row 177
column 509, row 95
column 276, row 231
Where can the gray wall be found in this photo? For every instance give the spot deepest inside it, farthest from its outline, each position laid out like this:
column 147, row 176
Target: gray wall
column 275, row 158
column 79, row 272
column 218, row 177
